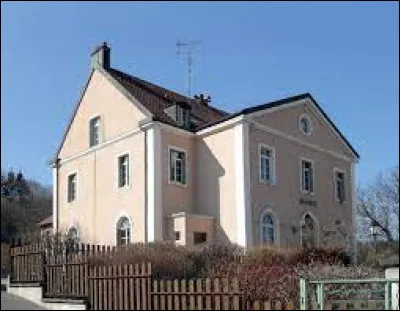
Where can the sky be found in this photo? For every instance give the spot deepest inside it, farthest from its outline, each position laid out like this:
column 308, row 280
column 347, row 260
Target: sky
column 345, row 54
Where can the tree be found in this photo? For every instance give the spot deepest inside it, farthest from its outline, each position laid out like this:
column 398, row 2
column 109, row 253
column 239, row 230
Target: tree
column 378, row 203
column 14, row 187
column 23, row 204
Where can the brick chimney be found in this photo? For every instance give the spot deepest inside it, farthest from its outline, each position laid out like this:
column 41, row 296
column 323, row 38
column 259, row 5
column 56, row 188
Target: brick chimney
column 101, row 56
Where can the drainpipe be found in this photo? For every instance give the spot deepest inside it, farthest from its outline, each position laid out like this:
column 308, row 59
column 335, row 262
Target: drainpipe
column 94, row 237
column 55, row 167
column 145, row 188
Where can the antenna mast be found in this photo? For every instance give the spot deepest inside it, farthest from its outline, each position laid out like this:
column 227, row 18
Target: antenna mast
column 186, row 49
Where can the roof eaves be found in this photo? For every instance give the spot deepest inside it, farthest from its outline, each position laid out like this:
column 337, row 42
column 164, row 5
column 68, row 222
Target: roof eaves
column 280, row 102
column 334, row 127
column 124, row 91
column 73, row 115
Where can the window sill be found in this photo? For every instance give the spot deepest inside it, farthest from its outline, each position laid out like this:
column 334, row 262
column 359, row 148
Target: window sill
column 267, row 182
column 177, row 184
column 124, row 188
column 307, row 192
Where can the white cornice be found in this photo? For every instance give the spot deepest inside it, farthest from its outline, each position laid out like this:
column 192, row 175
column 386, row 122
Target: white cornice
column 102, row 145
column 175, row 130
column 220, row 126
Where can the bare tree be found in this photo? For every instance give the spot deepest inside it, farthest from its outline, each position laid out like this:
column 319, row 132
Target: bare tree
column 378, row 204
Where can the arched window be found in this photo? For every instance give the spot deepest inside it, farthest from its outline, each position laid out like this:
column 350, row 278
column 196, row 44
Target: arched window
column 267, row 228
column 309, row 231
column 123, row 231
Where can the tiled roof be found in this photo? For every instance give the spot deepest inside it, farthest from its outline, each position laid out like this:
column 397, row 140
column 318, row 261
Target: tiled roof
column 156, row 99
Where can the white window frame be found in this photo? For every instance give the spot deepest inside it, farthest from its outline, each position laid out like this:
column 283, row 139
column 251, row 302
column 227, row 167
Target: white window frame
column 117, row 228
column 76, row 186
column 301, row 176
column 182, row 116
column 100, row 130
column 174, row 182
column 276, row 227
column 302, row 220
column 272, row 166
column 335, row 171
column 118, row 156
column 305, row 115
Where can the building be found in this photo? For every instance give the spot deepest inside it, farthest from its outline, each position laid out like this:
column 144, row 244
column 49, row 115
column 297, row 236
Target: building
column 140, row 163
column 46, row 226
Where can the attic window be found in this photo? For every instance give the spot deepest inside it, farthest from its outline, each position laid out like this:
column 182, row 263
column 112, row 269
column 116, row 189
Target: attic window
column 94, row 131
column 182, row 116
column 305, row 124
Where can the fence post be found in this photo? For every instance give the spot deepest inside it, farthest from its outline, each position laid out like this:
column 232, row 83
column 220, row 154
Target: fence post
column 387, row 295
column 11, row 273
column 303, row 294
column 44, row 276
column 320, row 296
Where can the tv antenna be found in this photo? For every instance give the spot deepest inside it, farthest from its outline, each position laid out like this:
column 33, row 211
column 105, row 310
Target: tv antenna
column 186, row 50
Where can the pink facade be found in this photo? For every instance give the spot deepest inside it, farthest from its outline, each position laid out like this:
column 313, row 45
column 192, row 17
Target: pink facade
column 152, row 180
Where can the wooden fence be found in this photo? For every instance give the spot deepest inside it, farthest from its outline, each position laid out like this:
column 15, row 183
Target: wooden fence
column 132, row 287
column 27, row 264
column 66, row 276
column 122, row 287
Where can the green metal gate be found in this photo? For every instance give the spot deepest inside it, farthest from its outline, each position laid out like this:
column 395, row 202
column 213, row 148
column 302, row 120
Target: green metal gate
column 346, row 294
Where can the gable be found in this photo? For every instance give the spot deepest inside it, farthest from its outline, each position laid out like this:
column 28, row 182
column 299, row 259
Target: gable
column 285, row 119
column 100, row 98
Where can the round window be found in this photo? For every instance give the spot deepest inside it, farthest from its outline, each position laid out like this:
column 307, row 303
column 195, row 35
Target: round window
column 305, row 124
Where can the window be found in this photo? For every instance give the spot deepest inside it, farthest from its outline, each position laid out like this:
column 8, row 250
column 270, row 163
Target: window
column 267, row 164
column 177, row 235
column 267, row 229
column 307, row 176
column 340, row 193
column 123, row 231
column 182, row 116
column 71, row 187
column 94, row 131
column 199, row 237
column 177, row 166
column 305, row 124
column 123, row 171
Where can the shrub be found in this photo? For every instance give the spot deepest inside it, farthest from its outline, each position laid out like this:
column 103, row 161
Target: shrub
column 273, row 274
column 328, row 256
column 281, row 256
column 207, row 258
column 168, row 261
column 263, row 273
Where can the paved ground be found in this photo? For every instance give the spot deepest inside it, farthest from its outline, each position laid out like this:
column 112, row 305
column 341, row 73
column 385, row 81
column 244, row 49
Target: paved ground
column 11, row 302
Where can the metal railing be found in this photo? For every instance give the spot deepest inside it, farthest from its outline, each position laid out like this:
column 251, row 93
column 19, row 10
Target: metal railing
column 323, row 294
